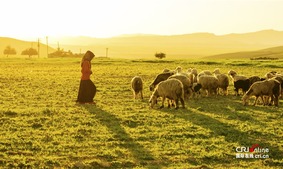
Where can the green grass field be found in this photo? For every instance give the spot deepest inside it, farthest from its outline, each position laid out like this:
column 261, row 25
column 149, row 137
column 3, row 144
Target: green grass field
column 42, row 127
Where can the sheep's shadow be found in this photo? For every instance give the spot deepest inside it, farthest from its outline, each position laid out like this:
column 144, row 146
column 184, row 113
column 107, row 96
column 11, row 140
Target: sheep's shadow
column 231, row 134
column 142, row 156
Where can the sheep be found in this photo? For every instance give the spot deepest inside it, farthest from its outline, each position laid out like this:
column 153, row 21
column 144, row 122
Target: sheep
column 172, row 89
column 216, row 71
column 243, row 84
column 160, row 77
column 168, row 70
column 223, row 81
column 204, row 72
column 280, row 80
column 192, row 74
column 233, row 74
column 186, row 84
column 209, row 83
column 270, row 75
column 270, row 88
column 179, row 71
column 254, row 79
column 196, row 89
column 137, row 86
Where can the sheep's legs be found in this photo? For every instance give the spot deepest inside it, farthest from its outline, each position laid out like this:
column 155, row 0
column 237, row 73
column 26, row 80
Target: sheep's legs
column 162, row 104
column 255, row 100
column 141, row 95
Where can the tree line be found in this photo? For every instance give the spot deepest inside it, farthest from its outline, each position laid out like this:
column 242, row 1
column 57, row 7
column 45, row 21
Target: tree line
column 59, row 53
column 12, row 51
column 31, row 52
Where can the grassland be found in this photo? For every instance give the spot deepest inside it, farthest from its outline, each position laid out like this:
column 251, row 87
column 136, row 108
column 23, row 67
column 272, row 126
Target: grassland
column 42, row 127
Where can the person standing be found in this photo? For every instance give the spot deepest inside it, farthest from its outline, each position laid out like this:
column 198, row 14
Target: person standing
column 87, row 89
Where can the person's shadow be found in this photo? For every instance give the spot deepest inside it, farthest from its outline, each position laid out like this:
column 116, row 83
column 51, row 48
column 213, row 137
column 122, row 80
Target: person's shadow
column 143, row 157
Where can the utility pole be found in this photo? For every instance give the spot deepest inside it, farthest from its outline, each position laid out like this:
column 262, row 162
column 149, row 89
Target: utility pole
column 38, row 47
column 58, row 46
column 106, row 52
column 47, row 45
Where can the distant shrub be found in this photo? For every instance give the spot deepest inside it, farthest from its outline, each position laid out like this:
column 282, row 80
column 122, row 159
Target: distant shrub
column 160, row 55
column 264, row 58
column 207, row 63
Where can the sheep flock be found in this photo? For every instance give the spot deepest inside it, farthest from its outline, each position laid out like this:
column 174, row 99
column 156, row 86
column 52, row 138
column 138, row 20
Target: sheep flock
column 179, row 85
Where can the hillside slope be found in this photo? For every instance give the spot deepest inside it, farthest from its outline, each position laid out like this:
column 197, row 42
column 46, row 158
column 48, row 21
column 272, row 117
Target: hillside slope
column 274, row 52
column 194, row 45
column 176, row 46
column 20, row 45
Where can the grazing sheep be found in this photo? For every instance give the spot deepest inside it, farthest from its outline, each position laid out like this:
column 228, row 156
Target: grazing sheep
column 172, row 89
column 254, row 79
column 159, row 78
column 243, row 84
column 137, row 86
column 192, row 74
column 280, row 80
column 186, row 84
column 216, row 71
column 209, row 83
column 270, row 75
column 179, row 71
column 204, row 72
column 223, row 81
column 233, row 74
column 270, row 88
column 166, row 70
column 196, row 89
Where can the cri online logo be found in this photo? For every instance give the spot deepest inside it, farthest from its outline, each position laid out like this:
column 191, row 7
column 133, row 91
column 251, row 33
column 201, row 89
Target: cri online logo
column 255, row 148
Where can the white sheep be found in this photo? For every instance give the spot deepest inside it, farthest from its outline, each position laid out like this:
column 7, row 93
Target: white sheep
column 233, row 74
column 137, row 86
column 270, row 88
column 186, row 84
column 172, row 89
column 209, row 83
column 204, row 72
column 223, row 81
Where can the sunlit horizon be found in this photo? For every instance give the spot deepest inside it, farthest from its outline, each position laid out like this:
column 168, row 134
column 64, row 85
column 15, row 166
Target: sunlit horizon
column 32, row 19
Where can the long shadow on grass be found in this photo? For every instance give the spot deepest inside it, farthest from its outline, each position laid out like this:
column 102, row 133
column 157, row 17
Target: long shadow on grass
column 231, row 134
column 113, row 123
column 231, row 108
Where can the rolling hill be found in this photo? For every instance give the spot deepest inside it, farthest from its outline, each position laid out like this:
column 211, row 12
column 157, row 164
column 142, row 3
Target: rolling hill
column 196, row 45
column 274, row 52
column 20, row 45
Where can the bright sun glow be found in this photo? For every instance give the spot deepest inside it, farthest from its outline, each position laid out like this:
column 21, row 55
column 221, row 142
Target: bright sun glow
column 106, row 18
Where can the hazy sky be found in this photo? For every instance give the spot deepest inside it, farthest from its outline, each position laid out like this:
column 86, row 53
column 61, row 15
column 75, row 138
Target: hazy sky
column 105, row 18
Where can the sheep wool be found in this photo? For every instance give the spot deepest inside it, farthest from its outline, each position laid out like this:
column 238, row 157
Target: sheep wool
column 209, row 83
column 137, row 86
column 159, row 78
column 186, row 84
column 172, row 89
column 270, row 88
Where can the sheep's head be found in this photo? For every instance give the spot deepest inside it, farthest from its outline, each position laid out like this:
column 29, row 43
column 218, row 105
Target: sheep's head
column 179, row 69
column 216, row 71
column 153, row 99
column 151, row 87
column 245, row 99
column 232, row 73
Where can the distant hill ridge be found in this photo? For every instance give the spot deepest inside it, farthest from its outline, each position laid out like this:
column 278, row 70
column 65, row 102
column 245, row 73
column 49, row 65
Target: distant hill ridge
column 193, row 45
column 272, row 53
column 21, row 45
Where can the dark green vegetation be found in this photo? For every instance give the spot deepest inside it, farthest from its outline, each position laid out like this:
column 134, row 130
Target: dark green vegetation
column 41, row 126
